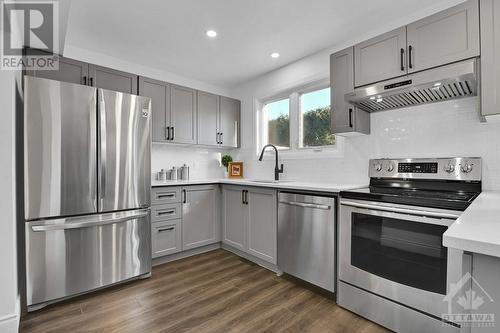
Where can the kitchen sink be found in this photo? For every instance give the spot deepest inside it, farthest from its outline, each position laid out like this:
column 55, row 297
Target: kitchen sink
column 269, row 181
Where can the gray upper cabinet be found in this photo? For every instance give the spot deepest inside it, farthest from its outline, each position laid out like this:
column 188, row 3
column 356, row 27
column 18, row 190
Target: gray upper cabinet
column 70, row 70
column 159, row 92
column 234, row 217
column 445, row 37
column 111, row 79
column 183, row 114
column 490, row 57
column 229, row 122
column 346, row 119
column 380, row 58
column 208, row 118
column 200, row 216
column 262, row 224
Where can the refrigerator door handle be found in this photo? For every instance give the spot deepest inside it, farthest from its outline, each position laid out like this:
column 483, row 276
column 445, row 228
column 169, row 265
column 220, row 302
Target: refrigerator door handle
column 64, row 224
column 102, row 150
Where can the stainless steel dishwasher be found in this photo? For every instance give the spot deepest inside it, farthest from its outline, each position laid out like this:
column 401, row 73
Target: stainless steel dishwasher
column 306, row 238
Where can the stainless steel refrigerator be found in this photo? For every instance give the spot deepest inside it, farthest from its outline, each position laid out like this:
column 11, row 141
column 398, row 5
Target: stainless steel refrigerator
column 86, row 188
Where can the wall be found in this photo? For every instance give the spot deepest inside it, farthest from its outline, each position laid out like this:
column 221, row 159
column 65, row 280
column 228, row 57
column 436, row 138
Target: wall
column 9, row 299
column 435, row 130
column 204, row 163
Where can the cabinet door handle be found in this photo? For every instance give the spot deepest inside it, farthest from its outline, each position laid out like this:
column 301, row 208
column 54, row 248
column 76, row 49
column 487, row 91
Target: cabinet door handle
column 167, row 132
column 402, row 59
column 221, row 138
column 246, row 197
column 350, row 117
column 184, row 195
column 85, row 80
column 169, row 195
column 410, row 49
column 91, row 81
column 167, row 212
column 166, row 229
column 243, row 197
column 173, row 133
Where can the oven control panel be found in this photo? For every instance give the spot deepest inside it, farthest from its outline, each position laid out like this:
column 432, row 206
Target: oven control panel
column 458, row 168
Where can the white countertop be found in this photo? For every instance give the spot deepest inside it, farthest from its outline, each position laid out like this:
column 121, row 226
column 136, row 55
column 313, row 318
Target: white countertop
column 478, row 229
column 292, row 185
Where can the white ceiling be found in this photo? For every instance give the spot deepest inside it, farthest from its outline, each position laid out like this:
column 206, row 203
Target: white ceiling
column 170, row 34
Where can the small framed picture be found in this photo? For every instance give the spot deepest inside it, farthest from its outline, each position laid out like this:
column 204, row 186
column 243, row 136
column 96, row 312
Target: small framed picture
column 235, row 170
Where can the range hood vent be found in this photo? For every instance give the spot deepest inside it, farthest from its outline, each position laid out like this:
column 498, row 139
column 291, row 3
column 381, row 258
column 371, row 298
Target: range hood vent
column 439, row 84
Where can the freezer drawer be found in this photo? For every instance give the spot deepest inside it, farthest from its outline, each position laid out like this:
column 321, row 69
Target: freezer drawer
column 306, row 238
column 69, row 256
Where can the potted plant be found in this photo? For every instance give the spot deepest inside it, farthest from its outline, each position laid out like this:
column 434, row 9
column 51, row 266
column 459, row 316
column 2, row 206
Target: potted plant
column 226, row 159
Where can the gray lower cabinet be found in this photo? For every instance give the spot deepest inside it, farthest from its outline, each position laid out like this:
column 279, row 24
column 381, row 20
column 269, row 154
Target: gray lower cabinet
column 485, row 293
column 159, row 92
column 112, row 79
column 229, row 122
column 249, row 220
column 166, row 237
column 234, row 217
column 490, row 57
column 200, row 216
column 262, row 224
column 445, row 37
column 346, row 118
column 380, row 58
column 183, row 115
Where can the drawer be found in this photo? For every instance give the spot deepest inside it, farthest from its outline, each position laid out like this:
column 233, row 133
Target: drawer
column 166, row 212
column 164, row 195
column 166, row 238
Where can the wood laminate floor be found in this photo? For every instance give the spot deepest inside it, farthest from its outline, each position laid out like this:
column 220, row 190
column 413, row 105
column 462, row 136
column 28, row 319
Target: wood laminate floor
column 211, row 292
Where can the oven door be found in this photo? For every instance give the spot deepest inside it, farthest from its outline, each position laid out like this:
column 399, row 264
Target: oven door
column 397, row 252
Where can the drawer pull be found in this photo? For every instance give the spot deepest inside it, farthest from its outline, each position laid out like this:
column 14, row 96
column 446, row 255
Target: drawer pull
column 166, row 229
column 169, row 195
column 168, row 212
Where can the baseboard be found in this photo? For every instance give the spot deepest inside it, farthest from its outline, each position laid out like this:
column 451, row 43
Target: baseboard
column 10, row 323
column 252, row 258
column 185, row 254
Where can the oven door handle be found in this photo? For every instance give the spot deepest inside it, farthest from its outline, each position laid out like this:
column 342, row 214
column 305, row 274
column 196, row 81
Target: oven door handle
column 418, row 212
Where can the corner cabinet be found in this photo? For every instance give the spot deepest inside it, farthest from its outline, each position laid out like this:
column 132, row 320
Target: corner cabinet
column 346, row 118
column 200, row 216
column 490, row 57
column 249, row 221
column 229, row 122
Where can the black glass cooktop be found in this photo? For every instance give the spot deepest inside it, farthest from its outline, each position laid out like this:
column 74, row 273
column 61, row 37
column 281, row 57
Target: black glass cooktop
column 436, row 195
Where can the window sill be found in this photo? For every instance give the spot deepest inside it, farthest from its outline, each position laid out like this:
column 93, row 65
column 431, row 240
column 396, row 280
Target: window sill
column 305, row 153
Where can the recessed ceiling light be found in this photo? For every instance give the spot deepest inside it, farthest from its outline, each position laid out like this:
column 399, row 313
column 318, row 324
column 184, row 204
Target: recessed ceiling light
column 275, row 55
column 211, row 33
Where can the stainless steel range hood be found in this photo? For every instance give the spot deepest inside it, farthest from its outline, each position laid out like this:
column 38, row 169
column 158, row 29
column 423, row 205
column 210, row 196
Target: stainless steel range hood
column 447, row 82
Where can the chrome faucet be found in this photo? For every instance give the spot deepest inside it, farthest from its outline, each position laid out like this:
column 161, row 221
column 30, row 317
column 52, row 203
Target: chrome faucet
column 277, row 170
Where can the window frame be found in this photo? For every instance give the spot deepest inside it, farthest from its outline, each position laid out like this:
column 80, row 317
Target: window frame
column 295, row 116
column 300, row 118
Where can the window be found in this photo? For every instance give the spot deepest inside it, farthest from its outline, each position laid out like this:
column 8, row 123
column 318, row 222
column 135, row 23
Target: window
column 315, row 117
column 277, row 121
column 297, row 122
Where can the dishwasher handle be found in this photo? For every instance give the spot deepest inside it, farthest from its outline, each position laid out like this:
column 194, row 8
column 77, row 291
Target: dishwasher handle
column 306, row 205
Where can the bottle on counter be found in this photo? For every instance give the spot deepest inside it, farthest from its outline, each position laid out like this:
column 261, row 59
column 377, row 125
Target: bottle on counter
column 173, row 173
column 185, row 172
column 162, row 175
